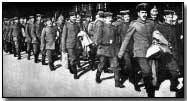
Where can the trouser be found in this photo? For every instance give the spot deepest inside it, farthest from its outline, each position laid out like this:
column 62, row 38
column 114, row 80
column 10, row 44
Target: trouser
column 9, row 47
column 36, row 51
column 125, row 64
column 50, row 56
column 5, row 46
column 113, row 65
column 17, row 48
column 169, row 63
column 43, row 55
column 146, row 74
column 92, row 55
column 13, row 48
column 73, row 59
column 29, row 49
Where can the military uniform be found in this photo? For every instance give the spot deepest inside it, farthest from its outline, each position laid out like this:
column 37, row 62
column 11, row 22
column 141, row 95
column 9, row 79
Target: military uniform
column 17, row 36
column 142, row 37
column 35, row 34
column 48, row 39
column 28, row 38
column 10, row 39
column 167, row 60
column 107, row 40
column 70, row 43
column 6, row 30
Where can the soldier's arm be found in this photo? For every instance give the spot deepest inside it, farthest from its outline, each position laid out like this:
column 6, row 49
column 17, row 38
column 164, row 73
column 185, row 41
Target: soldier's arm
column 33, row 34
column 43, row 39
column 125, row 42
column 90, row 29
column 99, row 33
column 64, row 35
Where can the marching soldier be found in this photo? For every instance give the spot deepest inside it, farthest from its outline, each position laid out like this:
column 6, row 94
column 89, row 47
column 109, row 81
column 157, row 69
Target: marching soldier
column 23, row 45
column 17, row 36
column 107, row 39
column 28, row 38
column 6, row 29
column 35, row 34
column 126, row 60
column 69, row 42
column 141, row 31
column 167, row 60
column 38, row 30
column 10, row 37
column 48, row 39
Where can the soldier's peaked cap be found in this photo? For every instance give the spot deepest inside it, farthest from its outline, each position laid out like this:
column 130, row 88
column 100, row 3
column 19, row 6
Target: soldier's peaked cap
column 142, row 7
column 38, row 15
column 31, row 16
column 167, row 12
column 124, row 12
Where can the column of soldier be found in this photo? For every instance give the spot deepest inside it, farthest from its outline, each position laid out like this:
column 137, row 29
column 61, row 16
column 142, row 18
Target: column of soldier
column 121, row 44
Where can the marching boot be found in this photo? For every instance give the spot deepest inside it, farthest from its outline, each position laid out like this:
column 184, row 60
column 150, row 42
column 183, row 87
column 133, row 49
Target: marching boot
column 43, row 60
column 117, row 79
column 35, row 58
column 150, row 89
column 98, row 74
column 28, row 57
column 174, row 84
column 51, row 66
column 75, row 76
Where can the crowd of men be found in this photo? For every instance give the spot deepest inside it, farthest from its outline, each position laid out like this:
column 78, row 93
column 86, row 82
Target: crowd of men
column 120, row 46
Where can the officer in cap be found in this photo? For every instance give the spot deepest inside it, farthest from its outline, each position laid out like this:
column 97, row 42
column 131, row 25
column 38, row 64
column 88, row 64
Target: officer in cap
column 141, row 31
column 17, row 36
column 69, row 43
column 38, row 30
column 35, row 34
column 126, row 67
column 10, row 39
column 168, row 61
column 107, row 40
column 48, row 38
column 28, row 36
column 5, row 34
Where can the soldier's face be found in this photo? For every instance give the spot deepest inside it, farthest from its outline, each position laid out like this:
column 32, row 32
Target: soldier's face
column 39, row 18
column 73, row 18
column 49, row 23
column 32, row 19
column 126, row 18
column 168, row 18
column 142, row 15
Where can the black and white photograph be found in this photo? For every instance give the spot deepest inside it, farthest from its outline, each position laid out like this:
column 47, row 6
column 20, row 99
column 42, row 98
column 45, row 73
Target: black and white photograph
column 93, row 49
